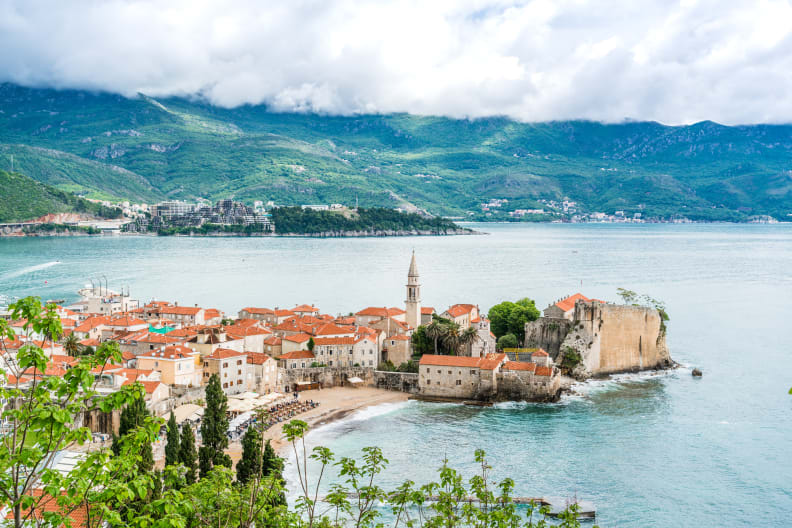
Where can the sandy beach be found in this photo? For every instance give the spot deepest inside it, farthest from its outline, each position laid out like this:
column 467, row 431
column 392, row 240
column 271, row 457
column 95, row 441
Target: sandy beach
column 335, row 403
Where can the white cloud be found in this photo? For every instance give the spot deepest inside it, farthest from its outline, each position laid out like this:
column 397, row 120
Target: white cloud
column 534, row 60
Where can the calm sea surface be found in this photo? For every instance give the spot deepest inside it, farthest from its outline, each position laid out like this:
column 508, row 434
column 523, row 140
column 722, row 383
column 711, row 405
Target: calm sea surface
column 649, row 450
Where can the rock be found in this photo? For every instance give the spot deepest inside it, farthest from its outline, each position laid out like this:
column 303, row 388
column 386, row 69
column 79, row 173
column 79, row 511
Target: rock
column 697, row 373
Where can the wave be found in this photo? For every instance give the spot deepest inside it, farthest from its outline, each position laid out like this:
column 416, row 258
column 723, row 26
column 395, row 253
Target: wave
column 29, row 269
column 581, row 390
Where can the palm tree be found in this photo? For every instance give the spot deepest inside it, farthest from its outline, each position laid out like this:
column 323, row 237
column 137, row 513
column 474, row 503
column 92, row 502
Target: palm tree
column 468, row 337
column 451, row 338
column 434, row 331
column 71, row 345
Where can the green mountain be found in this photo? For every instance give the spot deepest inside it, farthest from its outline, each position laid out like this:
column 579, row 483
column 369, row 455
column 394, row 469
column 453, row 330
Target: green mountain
column 23, row 198
column 146, row 149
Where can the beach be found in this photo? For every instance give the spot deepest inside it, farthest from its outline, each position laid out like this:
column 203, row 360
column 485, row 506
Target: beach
column 334, row 404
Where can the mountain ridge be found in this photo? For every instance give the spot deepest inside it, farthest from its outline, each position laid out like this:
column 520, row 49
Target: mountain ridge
column 184, row 148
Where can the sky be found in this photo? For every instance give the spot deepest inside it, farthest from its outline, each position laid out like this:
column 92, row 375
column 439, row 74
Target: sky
column 673, row 62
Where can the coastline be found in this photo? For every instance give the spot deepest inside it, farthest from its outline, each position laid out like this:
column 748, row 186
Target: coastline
column 335, row 404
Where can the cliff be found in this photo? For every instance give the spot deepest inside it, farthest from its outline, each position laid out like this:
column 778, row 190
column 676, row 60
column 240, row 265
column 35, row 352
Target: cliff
column 607, row 339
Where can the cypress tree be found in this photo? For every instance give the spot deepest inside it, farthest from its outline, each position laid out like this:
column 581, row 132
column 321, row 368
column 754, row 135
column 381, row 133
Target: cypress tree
column 133, row 416
column 187, row 454
column 249, row 466
column 172, row 445
column 271, row 463
column 214, row 428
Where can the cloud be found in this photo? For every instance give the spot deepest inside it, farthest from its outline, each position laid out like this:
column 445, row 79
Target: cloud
column 535, row 60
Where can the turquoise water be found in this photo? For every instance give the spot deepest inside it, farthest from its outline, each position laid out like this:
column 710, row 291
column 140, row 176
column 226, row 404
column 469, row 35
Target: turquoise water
column 665, row 450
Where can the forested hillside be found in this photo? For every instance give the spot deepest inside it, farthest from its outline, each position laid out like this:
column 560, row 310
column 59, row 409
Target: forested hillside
column 146, row 149
column 22, row 198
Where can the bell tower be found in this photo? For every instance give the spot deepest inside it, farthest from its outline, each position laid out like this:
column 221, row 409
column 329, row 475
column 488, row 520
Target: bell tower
column 413, row 301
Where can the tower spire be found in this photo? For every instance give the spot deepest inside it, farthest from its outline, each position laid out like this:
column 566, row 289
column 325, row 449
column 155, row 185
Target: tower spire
column 413, row 301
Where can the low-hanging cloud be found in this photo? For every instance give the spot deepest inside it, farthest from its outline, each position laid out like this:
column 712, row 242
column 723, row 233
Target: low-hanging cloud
column 534, row 61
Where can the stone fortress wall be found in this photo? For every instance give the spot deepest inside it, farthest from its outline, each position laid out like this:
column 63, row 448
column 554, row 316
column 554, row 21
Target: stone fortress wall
column 609, row 338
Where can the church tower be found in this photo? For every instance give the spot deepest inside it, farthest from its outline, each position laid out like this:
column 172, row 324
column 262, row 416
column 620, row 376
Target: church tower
column 413, row 302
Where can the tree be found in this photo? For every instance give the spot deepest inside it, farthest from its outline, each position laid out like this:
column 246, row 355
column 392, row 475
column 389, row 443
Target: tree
column 311, row 344
column 435, row 331
column 468, row 337
column 172, row 447
column 421, row 343
column 522, row 312
column 510, row 317
column 44, row 420
column 71, row 345
column 134, row 416
column 250, row 465
column 499, row 318
column 271, row 464
column 187, row 454
column 214, row 428
column 507, row 341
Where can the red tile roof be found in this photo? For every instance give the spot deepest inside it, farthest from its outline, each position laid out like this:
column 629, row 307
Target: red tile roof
column 491, row 361
column 399, row 338
column 297, row 338
column 427, row 310
column 257, row 358
column 150, row 386
column 258, row 311
column 78, row 515
column 305, row 308
column 170, row 352
column 273, row 341
column 297, row 354
column 449, row 361
column 224, row 353
column 539, row 353
column 460, row 309
column 180, row 310
column 520, row 365
column 569, row 303
column 126, row 321
column 544, row 371
column 331, row 329
column 380, row 311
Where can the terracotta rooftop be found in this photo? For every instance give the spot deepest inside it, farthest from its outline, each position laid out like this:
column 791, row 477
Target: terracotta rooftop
column 305, row 308
column 224, row 353
column 460, row 309
column 258, row 311
column 544, row 371
column 257, row 358
column 520, row 365
column 449, row 361
column 297, row 354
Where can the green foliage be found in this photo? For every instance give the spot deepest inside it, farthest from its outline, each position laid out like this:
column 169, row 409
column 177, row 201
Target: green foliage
column 133, row 417
column 182, row 148
column 409, row 366
column 213, row 428
column 188, row 457
column 172, row 447
column 571, row 359
column 23, row 198
column 311, row 344
column 507, row 341
column 421, row 343
column 43, row 422
column 250, row 463
column 510, row 317
column 308, row 221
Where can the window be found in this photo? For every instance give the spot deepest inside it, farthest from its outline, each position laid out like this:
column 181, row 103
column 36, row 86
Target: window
column 225, row 385
column 371, row 352
column 303, row 365
column 294, row 365
column 439, row 371
column 331, row 363
column 449, row 372
column 225, row 365
column 459, row 382
column 428, row 382
column 239, row 371
column 371, row 363
column 225, row 374
column 239, row 362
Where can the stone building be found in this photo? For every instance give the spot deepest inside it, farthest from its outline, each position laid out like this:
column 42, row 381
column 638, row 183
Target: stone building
column 231, row 368
column 607, row 338
column 262, row 373
column 413, row 302
column 176, row 363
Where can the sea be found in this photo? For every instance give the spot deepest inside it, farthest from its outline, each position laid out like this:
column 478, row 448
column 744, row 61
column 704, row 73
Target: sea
column 647, row 450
